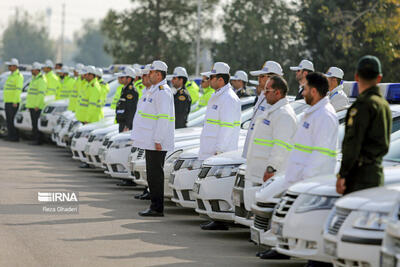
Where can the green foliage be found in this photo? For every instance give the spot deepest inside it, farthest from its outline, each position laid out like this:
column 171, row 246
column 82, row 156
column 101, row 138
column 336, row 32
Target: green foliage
column 26, row 39
column 91, row 46
column 257, row 31
column 155, row 29
column 338, row 33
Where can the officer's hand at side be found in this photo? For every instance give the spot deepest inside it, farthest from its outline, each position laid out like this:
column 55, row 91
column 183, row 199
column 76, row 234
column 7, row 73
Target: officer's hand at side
column 36, row 109
column 158, row 147
column 15, row 105
column 340, row 185
column 267, row 175
column 126, row 129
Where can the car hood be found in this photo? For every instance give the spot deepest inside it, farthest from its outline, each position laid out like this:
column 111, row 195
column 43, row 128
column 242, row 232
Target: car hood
column 96, row 125
column 105, row 130
column 325, row 185
column 187, row 144
column 121, row 136
column 56, row 103
column 226, row 158
column 378, row 199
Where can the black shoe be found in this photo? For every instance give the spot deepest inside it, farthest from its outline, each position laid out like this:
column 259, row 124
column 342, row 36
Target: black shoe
column 84, row 165
column 272, row 255
column 215, row 225
column 35, row 143
column 205, row 223
column 145, row 196
column 318, row 264
column 151, row 213
column 126, row 183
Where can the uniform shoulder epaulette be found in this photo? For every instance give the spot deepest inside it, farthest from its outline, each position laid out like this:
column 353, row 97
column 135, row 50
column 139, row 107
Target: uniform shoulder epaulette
column 161, row 87
column 130, row 87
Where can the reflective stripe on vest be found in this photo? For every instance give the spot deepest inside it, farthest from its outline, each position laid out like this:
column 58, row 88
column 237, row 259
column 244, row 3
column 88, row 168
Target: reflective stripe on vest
column 310, row 149
column 156, row 117
column 271, row 143
column 223, row 123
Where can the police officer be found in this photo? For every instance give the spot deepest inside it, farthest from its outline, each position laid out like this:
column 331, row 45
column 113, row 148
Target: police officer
column 222, row 123
column 336, row 95
column 367, row 132
column 66, row 83
column 239, row 81
column 182, row 99
column 207, row 91
column 53, row 81
column 126, row 107
column 153, row 130
column 35, row 100
column 73, row 96
column 117, row 94
column 194, row 91
column 12, row 97
column 305, row 67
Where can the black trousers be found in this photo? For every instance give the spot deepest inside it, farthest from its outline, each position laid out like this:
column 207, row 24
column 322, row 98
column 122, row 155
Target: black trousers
column 10, row 115
column 37, row 136
column 155, row 178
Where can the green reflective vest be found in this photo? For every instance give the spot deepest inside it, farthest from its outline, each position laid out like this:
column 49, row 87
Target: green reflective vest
column 66, row 88
column 117, row 96
column 139, row 87
column 53, row 83
column 193, row 89
column 105, row 88
column 13, row 87
column 36, row 92
column 81, row 112
column 207, row 92
column 73, row 96
column 95, row 108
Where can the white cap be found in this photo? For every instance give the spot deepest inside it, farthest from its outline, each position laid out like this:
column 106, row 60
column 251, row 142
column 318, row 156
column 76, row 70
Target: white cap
column 240, row 75
column 99, row 72
column 334, row 72
column 79, row 66
column 36, row 66
column 129, row 72
column 304, row 64
column 90, row 69
column 136, row 66
column 145, row 69
column 65, row 69
column 269, row 67
column 48, row 63
column 12, row 62
column 119, row 74
column 218, row 68
column 178, row 72
column 82, row 71
column 159, row 65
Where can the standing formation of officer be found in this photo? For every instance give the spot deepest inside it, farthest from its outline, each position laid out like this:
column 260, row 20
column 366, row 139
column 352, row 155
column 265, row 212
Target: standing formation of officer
column 127, row 103
column 239, row 81
column 153, row 130
column 302, row 70
column 336, row 95
column 182, row 99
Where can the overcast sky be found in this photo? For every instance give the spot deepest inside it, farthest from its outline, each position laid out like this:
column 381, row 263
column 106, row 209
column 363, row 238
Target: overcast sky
column 76, row 11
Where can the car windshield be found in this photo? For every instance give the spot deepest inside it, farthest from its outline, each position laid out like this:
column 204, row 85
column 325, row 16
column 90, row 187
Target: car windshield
column 394, row 151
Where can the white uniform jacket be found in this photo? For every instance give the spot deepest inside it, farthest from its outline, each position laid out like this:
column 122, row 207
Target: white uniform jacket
column 260, row 107
column 338, row 98
column 154, row 121
column 315, row 143
column 222, row 123
column 271, row 142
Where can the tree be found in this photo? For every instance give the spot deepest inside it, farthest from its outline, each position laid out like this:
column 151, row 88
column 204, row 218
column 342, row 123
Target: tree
column 27, row 39
column 155, row 29
column 91, row 46
column 257, row 31
column 338, row 33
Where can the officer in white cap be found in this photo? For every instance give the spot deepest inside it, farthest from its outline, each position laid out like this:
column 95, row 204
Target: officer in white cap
column 127, row 104
column 336, row 95
column 12, row 97
column 305, row 67
column 222, row 122
column 182, row 99
column 153, row 130
column 239, row 81
column 269, row 69
column 53, row 81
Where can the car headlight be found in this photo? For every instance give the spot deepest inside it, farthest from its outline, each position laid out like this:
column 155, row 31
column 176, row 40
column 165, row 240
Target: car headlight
column 99, row 137
column 314, row 202
column 194, row 164
column 224, row 171
column 174, row 156
column 85, row 134
column 371, row 221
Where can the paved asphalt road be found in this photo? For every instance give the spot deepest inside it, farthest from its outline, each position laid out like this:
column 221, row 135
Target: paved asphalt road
column 107, row 231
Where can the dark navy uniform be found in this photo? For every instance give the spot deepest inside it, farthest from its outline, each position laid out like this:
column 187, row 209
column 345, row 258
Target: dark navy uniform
column 182, row 101
column 126, row 107
column 242, row 93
